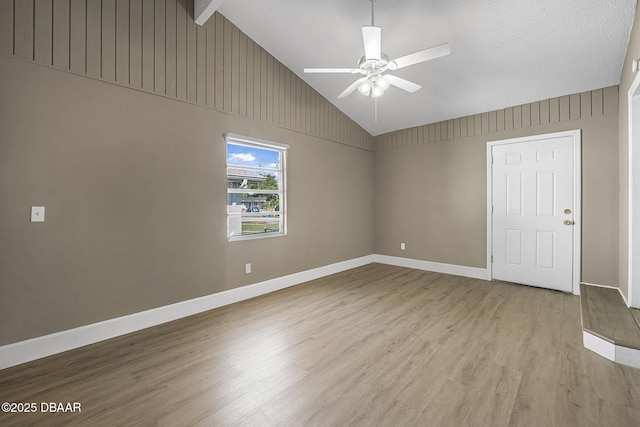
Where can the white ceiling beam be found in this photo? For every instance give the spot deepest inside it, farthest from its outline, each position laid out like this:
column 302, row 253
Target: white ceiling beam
column 204, row 9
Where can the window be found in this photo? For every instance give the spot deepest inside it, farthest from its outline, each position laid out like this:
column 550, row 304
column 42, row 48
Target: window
column 255, row 188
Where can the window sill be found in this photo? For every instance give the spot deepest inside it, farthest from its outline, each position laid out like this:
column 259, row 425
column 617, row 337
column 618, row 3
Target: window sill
column 255, row 236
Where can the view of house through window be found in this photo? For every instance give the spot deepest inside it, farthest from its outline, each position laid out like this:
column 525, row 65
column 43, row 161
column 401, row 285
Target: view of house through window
column 255, row 187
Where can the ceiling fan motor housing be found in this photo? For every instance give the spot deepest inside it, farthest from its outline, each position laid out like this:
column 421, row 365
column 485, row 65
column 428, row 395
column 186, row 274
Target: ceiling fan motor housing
column 372, row 66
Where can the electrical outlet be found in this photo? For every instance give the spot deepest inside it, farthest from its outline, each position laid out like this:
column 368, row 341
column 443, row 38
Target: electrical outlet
column 247, row 268
column 37, row 213
column 402, row 246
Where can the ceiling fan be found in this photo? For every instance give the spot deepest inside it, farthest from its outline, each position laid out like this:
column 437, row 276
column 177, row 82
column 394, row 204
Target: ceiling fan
column 374, row 63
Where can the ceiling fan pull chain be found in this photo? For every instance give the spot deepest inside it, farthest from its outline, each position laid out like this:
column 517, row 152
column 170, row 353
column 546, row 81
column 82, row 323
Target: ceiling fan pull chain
column 375, row 109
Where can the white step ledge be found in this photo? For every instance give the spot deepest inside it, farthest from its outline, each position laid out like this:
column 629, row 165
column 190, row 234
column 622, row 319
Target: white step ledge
column 615, row 353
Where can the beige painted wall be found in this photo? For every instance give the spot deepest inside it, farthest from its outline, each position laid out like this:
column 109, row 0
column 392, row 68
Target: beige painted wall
column 626, row 79
column 431, row 182
column 134, row 187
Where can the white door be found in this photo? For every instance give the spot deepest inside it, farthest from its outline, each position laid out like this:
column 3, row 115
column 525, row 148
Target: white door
column 533, row 211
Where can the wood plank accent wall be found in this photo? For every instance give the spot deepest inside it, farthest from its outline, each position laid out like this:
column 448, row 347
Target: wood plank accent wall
column 549, row 111
column 154, row 46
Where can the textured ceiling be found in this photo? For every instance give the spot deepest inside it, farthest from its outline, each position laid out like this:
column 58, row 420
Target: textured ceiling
column 504, row 52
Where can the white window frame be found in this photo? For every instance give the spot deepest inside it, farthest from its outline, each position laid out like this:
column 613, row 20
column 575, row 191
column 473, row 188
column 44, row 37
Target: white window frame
column 235, row 139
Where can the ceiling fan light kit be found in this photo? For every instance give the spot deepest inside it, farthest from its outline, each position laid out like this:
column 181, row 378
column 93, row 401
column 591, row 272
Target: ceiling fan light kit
column 374, row 86
column 374, row 63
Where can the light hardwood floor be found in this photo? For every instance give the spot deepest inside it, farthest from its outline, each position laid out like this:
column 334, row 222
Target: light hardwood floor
column 377, row 345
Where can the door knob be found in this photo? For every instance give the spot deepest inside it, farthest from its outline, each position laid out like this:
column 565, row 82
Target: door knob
column 567, row 222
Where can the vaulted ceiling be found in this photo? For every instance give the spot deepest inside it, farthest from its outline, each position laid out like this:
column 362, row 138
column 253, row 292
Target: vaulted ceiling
column 503, row 53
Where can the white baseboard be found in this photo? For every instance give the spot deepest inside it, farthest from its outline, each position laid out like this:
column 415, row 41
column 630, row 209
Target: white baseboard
column 457, row 270
column 615, row 353
column 36, row 348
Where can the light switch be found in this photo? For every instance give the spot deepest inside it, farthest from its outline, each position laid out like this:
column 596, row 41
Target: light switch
column 37, row 213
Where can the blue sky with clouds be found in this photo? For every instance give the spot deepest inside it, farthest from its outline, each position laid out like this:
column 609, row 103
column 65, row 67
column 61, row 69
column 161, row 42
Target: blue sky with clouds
column 252, row 156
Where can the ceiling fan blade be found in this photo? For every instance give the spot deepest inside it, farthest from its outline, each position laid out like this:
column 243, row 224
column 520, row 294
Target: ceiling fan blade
column 402, row 83
column 352, row 87
column 421, row 56
column 371, row 37
column 332, row 70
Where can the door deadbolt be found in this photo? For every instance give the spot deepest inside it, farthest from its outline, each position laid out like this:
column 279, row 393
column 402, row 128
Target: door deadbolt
column 567, row 222
column 567, row 211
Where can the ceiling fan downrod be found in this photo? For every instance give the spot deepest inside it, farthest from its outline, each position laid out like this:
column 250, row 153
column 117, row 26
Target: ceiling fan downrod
column 372, row 24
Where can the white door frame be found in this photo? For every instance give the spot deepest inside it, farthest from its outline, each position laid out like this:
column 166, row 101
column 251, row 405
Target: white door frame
column 577, row 199
column 633, row 299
